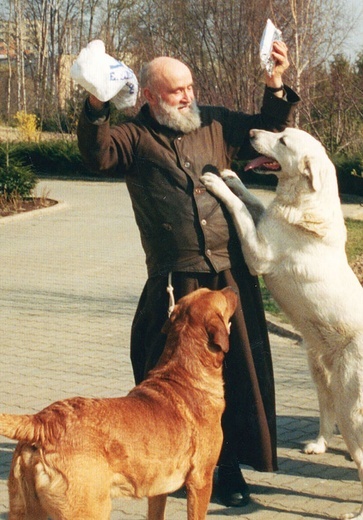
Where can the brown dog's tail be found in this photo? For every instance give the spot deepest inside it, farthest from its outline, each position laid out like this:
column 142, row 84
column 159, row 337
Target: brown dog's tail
column 20, row 427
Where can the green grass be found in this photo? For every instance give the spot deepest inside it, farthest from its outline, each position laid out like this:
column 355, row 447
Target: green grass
column 354, row 249
column 354, row 246
column 269, row 303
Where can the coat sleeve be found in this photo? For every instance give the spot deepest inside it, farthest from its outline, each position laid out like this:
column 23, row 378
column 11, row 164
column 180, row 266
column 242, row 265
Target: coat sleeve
column 275, row 115
column 105, row 150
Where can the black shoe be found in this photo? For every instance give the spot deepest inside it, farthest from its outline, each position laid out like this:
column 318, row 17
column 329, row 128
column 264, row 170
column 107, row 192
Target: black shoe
column 233, row 491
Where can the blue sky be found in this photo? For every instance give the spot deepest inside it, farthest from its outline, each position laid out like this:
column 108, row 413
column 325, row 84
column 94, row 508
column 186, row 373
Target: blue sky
column 355, row 10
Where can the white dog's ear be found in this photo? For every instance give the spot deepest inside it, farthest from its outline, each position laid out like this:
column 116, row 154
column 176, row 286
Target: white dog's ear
column 311, row 167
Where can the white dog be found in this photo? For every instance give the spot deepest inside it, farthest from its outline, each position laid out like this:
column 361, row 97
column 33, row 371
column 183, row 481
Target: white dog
column 298, row 245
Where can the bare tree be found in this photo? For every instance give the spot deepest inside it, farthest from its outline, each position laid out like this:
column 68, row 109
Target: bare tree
column 50, row 24
column 315, row 31
column 227, row 64
column 218, row 40
column 9, row 40
column 19, row 46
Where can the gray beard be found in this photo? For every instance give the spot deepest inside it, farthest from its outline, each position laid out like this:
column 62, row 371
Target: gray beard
column 172, row 118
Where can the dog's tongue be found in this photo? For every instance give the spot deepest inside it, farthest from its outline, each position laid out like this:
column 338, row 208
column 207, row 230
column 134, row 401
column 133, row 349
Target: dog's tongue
column 259, row 161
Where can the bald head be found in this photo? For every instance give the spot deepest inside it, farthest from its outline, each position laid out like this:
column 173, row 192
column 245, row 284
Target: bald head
column 163, row 69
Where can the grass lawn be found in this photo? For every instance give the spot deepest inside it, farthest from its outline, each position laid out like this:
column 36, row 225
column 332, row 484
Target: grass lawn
column 354, row 248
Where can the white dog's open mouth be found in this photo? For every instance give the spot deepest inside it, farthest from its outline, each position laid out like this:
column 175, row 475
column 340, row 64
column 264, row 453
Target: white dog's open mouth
column 263, row 164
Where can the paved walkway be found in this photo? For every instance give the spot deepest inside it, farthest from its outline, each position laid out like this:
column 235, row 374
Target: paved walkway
column 69, row 283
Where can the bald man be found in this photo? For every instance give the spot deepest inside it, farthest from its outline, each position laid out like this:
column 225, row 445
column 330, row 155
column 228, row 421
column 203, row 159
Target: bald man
column 189, row 238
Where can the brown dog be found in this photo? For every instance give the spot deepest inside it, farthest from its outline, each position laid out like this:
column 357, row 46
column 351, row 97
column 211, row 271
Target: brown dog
column 75, row 455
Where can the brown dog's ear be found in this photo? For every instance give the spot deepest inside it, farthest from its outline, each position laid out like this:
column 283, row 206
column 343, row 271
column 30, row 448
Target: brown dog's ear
column 218, row 333
column 166, row 327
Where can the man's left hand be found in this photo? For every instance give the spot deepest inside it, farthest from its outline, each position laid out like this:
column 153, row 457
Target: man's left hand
column 279, row 55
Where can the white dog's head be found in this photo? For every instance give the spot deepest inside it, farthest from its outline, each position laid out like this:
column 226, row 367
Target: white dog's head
column 291, row 153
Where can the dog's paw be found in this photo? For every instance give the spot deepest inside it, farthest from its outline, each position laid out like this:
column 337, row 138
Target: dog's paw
column 228, row 174
column 233, row 181
column 316, row 447
column 213, row 183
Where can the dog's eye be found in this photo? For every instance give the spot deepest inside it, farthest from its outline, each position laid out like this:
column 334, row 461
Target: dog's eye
column 282, row 141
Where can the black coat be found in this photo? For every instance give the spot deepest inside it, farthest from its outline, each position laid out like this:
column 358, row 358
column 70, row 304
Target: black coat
column 182, row 226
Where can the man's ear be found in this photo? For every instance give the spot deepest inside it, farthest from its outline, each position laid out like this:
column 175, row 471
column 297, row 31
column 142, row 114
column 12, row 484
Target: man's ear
column 149, row 96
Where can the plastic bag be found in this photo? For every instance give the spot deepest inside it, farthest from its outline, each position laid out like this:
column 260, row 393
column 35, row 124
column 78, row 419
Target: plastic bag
column 270, row 35
column 104, row 76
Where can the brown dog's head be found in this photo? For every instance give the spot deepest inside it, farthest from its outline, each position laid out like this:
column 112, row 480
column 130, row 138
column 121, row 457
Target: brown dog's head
column 202, row 316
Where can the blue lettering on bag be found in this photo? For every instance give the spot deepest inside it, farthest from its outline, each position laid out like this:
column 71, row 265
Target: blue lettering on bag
column 120, row 73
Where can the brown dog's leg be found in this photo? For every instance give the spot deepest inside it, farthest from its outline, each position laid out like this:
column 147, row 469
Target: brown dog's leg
column 198, row 500
column 156, row 507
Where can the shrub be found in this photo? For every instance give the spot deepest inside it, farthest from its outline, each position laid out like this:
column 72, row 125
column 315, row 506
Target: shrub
column 350, row 174
column 28, row 126
column 52, row 158
column 55, row 157
column 16, row 180
column 357, row 173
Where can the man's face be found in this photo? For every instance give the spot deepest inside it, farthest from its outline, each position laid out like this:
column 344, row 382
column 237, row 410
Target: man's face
column 172, row 100
column 175, row 87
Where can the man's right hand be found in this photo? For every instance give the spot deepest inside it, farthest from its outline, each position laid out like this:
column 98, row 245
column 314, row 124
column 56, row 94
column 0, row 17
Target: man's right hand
column 95, row 103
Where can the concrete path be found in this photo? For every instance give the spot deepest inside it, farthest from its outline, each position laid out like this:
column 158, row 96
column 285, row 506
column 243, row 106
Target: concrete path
column 69, row 283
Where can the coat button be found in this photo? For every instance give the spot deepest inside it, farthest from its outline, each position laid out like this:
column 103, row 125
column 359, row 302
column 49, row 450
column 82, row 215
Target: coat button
column 203, row 222
column 187, row 164
column 209, row 252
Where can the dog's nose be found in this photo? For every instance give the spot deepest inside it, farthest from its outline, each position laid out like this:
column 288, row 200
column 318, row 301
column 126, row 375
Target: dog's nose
column 252, row 134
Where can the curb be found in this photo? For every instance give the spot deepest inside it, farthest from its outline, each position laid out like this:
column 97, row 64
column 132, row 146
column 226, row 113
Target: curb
column 59, row 205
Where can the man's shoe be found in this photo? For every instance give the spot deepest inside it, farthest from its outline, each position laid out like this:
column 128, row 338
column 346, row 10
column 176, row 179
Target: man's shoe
column 233, row 491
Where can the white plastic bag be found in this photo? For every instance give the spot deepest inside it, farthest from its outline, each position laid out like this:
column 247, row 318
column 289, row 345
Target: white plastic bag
column 104, row 76
column 270, row 35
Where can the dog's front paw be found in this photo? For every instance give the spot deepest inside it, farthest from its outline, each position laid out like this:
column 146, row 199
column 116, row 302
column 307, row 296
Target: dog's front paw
column 228, row 174
column 213, row 183
column 316, row 447
column 233, row 181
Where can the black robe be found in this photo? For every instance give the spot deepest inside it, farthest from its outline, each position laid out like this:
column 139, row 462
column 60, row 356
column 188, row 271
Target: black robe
column 249, row 421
